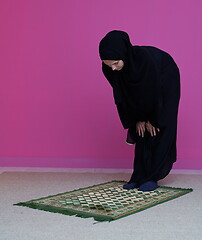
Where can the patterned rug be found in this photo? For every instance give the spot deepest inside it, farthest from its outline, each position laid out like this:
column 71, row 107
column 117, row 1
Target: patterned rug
column 104, row 202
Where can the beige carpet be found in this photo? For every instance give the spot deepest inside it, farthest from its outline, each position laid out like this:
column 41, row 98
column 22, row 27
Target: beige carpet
column 177, row 219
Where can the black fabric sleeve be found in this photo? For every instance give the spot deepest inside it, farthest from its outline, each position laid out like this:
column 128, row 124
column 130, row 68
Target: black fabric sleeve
column 167, row 108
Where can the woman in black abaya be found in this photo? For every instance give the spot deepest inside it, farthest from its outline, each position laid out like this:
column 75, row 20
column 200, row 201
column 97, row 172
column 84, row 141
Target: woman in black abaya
column 146, row 88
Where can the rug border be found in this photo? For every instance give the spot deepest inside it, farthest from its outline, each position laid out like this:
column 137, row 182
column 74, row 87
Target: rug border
column 185, row 191
column 96, row 217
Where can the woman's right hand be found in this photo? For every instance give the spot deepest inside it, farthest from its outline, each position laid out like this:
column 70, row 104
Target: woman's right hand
column 140, row 128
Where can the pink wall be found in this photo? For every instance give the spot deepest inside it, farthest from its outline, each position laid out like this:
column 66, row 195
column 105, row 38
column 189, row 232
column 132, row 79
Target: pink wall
column 57, row 108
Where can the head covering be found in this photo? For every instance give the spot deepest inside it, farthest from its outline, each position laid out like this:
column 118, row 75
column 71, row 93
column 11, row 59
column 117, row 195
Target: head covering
column 134, row 87
column 114, row 46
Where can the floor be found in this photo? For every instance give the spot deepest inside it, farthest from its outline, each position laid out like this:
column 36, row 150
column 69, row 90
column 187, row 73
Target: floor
column 179, row 219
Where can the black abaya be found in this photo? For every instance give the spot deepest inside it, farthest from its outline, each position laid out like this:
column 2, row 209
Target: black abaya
column 154, row 156
column 146, row 89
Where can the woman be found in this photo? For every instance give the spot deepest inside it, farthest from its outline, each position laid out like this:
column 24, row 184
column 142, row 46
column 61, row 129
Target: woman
column 146, row 88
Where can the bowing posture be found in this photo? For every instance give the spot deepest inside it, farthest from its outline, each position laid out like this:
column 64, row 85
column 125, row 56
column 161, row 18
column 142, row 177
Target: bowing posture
column 146, row 88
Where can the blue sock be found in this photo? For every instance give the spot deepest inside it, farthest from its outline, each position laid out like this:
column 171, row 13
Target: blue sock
column 130, row 185
column 148, row 186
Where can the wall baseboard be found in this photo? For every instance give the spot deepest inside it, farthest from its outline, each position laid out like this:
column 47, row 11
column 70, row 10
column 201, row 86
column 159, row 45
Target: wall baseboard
column 87, row 170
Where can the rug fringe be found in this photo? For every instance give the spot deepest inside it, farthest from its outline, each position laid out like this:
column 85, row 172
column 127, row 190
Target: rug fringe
column 65, row 212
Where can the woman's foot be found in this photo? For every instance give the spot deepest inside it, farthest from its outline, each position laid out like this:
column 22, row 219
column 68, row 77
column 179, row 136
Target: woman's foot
column 148, row 186
column 129, row 186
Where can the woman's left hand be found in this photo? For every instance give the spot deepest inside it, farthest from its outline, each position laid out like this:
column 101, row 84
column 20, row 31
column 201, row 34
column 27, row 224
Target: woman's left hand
column 151, row 129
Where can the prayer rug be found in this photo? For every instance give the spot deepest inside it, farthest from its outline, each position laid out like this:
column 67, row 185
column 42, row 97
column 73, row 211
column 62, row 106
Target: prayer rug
column 104, row 202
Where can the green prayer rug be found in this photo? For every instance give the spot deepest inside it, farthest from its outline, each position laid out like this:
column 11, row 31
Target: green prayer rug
column 104, row 202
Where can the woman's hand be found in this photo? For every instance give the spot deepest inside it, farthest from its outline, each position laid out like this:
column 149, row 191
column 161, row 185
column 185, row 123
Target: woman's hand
column 140, row 128
column 151, row 129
